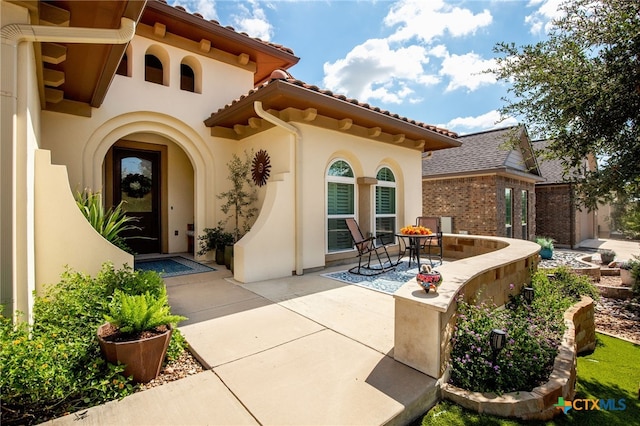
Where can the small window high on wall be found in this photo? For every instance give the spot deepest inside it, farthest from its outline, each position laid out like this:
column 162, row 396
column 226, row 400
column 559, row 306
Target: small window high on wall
column 340, row 205
column 153, row 71
column 187, row 78
column 386, row 205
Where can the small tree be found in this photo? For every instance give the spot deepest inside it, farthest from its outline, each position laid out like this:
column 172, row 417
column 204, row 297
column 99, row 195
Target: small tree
column 241, row 196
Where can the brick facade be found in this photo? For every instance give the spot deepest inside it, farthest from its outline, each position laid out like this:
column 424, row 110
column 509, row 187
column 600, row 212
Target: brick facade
column 555, row 213
column 477, row 204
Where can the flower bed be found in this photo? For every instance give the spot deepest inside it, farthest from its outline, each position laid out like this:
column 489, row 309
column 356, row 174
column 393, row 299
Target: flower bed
column 533, row 335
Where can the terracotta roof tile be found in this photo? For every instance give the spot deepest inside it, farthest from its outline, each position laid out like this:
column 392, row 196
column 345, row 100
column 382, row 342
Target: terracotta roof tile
column 342, row 98
column 213, row 21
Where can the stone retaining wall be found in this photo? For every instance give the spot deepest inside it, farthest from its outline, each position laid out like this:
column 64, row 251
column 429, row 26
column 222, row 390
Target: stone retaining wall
column 538, row 404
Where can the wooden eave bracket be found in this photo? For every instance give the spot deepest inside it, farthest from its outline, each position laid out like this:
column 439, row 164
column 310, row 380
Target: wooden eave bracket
column 159, row 29
column 53, row 15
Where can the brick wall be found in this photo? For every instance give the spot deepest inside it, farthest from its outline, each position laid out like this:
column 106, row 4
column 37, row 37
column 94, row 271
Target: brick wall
column 477, row 204
column 555, row 213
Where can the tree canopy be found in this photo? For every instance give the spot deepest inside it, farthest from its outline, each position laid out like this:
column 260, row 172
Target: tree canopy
column 580, row 88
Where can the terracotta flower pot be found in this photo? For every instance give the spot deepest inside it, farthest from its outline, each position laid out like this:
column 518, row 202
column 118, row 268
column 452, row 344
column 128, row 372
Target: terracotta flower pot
column 143, row 358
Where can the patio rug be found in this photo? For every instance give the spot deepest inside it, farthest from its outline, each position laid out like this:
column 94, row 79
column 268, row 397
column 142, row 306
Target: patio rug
column 387, row 282
column 171, row 266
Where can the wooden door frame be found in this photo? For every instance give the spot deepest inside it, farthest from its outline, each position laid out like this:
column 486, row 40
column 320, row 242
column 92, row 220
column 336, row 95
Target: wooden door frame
column 163, row 190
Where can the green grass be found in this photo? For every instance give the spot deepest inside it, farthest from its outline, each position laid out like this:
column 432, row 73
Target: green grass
column 612, row 371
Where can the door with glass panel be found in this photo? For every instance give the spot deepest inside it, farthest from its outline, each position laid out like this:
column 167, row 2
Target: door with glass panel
column 136, row 180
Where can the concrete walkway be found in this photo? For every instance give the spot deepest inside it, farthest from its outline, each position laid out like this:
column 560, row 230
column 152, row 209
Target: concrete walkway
column 625, row 249
column 300, row 350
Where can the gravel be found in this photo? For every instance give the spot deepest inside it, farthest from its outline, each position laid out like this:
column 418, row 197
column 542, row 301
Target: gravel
column 186, row 365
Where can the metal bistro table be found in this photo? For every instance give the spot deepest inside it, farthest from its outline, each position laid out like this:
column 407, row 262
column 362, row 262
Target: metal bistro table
column 414, row 244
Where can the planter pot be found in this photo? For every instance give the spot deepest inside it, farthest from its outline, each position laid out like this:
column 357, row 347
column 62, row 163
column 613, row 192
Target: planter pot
column 220, row 256
column 626, row 277
column 546, row 253
column 143, row 358
column 228, row 256
column 606, row 258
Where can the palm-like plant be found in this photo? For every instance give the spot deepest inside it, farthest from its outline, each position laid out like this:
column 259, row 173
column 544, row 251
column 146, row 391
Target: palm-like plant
column 110, row 223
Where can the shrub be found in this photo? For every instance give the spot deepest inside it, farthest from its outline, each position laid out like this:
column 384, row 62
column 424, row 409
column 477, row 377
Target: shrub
column 545, row 242
column 135, row 313
column 109, row 223
column 54, row 366
column 534, row 332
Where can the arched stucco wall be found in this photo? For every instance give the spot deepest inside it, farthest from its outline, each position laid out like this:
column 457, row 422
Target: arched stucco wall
column 183, row 135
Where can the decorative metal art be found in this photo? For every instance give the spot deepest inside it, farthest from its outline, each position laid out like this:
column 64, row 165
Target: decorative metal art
column 261, row 167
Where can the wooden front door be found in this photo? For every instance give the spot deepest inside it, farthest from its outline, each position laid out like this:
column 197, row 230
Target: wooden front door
column 136, row 181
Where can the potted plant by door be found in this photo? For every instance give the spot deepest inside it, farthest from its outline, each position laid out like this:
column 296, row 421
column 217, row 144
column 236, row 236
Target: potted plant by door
column 546, row 247
column 137, row 333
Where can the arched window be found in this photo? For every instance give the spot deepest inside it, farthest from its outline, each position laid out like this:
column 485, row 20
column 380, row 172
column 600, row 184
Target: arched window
column 123, row 66
column 153, row 70
column 385, row 205
column 340, row 205
column 187, row 78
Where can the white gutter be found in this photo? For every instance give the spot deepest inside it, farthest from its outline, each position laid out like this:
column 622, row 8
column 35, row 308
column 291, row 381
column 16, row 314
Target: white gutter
column 16, row 33
column 297, row 147
column 13, row 105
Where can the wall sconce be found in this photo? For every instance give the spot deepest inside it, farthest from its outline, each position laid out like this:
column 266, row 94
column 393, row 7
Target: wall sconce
column 528, row 293
column 497, row 338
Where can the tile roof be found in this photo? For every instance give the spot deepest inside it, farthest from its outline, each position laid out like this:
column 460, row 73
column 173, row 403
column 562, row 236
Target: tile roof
column 228, row 27
column 283, row 76
column 478, row 152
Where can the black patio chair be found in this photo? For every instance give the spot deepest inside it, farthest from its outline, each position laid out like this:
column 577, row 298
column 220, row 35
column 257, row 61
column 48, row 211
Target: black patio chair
column 367, row 247
column 433, row 244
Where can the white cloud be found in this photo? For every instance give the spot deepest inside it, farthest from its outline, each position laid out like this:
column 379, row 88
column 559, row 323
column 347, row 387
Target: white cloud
column 468, row 71
column 426, row 20
column 541, row 20
column 373, row 70
column 253, row 21
column 207, row 8
column 488, row 121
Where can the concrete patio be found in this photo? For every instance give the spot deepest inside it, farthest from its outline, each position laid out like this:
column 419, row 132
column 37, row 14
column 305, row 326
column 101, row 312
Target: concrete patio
column 299, row 350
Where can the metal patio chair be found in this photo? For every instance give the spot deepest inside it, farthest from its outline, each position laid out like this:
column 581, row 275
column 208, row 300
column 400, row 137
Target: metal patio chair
column 433, row 244
column 366, row 248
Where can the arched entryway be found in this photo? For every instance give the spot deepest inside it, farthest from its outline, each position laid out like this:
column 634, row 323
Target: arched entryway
column 157, row 165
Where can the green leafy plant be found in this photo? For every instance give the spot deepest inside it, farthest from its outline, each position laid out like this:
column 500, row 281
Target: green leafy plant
column 534, row 331
column 241, row 197
column 607, row 256
column 545, row 242
column 214, row 239
column 133, row 314
column 109, row 223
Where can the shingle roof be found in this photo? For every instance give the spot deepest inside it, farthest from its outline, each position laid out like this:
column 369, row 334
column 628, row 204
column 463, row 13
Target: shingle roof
column 478, row 152
column 551, row 170
column 286, row 78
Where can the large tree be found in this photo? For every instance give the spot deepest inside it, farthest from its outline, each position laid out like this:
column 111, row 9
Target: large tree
column 580, row 88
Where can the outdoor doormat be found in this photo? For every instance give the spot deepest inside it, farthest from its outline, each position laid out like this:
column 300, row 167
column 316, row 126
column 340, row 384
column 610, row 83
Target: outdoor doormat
column 387, row 282
column 171, row 266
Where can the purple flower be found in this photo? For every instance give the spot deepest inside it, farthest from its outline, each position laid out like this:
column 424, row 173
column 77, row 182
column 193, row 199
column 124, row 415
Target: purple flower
column 511, row 286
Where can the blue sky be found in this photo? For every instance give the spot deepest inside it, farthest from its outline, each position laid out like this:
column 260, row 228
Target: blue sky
column 423, row 59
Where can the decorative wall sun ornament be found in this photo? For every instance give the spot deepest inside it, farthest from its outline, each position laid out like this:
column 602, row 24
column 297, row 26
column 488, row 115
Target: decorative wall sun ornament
column 261, row 167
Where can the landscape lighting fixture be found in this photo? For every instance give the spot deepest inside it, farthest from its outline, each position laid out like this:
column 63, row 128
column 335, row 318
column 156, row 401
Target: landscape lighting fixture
column 528, row 293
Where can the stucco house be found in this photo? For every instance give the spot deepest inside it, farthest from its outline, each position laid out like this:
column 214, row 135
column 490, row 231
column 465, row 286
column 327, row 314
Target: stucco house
column 557, row 213
column 94, row 93
column 486, row 186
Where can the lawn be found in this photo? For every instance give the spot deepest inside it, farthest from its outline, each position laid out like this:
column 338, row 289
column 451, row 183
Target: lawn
column 612, row 371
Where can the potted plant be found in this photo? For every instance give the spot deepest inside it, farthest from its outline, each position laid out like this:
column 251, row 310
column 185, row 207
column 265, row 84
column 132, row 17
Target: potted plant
column 546, row 244
column 137, row 333
column 213, row 240
column 628, row 271
column 606, row 256
column 239, row 201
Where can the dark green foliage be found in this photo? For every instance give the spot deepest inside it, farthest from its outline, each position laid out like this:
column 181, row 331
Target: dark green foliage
column 240, row 199
column 214, row 238
column 109, row 223
column 135, row 313
column 580, row 88
column 55, row 366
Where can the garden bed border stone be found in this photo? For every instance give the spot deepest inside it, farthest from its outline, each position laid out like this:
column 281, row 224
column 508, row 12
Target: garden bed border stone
column 538, row 404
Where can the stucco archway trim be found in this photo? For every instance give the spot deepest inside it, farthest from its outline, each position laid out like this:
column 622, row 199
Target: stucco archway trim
column 167, row 126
